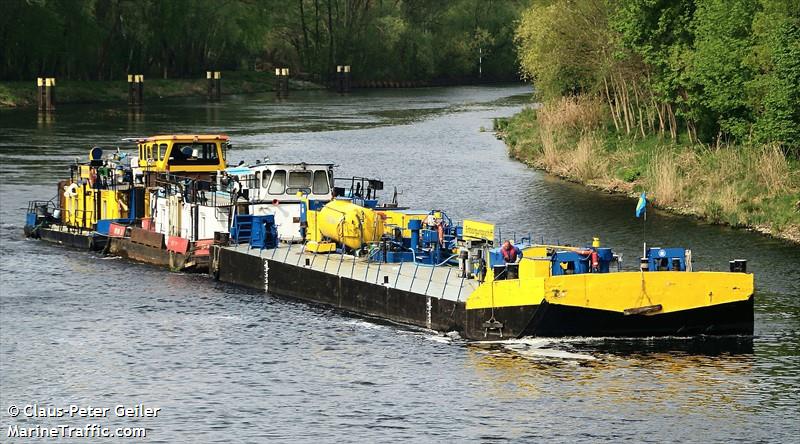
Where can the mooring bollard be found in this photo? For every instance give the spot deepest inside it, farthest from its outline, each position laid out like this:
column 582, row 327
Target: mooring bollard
column 131, row 91
column 140, row 91
column 40, row 93
column 46, row 93
column 346, row 82
column 343, row 78
column 214, row 79
column 135, row 89
column 282, row 82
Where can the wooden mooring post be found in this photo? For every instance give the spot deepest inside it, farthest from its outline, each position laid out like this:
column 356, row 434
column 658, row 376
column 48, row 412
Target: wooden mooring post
column 343, row 79
column 282, row 82
column 135, row 89
column 46, row 93
column 214, row 79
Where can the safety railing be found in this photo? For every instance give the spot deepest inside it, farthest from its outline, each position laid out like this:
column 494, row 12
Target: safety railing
column 443, row 282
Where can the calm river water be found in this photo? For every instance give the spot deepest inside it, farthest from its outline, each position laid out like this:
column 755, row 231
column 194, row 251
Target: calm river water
column 230, row 365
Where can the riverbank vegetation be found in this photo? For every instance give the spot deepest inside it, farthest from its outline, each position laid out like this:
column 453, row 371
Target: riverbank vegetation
column 696, row 102
column 383, row 40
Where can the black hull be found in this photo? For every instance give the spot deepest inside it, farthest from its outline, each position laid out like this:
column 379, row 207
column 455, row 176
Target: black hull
column 81, row 241
column 735, row 318
column 123, row 248
column 350, row 295
column 514, row 320
column 160, row 257
column 546, row 320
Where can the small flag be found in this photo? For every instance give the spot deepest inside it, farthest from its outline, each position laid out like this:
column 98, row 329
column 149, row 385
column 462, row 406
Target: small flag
column 641, row 207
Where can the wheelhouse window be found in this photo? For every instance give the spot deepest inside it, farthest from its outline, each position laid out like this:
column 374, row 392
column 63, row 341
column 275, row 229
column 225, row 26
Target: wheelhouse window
column 162, row 151
column 183, row 153
column 321, row 184
column 265, row 176
column 278, row 184
column 299, row 181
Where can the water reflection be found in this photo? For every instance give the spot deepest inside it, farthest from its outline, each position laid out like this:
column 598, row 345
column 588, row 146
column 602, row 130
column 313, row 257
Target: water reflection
column 45, row 119
column 641, row 382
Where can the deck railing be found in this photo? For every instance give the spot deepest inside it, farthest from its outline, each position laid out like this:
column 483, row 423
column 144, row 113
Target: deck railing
column 435, row 281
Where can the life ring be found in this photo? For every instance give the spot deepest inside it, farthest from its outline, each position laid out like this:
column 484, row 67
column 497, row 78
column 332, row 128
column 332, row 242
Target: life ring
column 71, row 190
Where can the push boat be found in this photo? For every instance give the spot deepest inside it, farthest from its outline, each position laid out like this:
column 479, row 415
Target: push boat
column 108, row 203
column 171, row 201
column 294, row 230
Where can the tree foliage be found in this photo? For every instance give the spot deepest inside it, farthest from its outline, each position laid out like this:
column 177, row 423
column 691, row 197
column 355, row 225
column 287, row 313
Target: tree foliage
column 397, row 40
column 715, row 70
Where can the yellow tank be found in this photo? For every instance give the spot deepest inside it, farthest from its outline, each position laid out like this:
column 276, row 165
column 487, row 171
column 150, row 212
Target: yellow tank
column 345, row 222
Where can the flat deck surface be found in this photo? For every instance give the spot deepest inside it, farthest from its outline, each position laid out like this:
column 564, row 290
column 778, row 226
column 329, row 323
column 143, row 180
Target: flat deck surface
column 440, row 282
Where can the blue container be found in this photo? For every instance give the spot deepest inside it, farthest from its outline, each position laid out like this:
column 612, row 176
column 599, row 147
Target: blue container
column 30, row 219
column 661, row 259
column 264, row 233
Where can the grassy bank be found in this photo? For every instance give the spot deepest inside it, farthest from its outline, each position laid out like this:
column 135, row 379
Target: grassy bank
column 753, row 187
column 22, row 94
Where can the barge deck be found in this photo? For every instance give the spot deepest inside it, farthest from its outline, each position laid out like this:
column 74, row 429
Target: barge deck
column 408, row 293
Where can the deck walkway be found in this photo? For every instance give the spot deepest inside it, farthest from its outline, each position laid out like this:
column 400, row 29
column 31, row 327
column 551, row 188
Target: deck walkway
column 442, row 282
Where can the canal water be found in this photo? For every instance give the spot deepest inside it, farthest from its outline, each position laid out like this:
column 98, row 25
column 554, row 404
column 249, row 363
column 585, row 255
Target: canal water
column 226, row 364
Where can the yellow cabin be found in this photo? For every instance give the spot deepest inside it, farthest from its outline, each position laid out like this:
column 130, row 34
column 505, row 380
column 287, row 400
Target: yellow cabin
column 189, row 153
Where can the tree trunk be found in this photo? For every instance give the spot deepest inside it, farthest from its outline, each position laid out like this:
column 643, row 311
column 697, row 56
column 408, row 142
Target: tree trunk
column 611, row 104
column 305, row 54
column 331, row 50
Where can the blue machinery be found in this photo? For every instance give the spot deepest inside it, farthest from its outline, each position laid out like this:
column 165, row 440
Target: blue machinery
column 258, row 231
column 432, row 245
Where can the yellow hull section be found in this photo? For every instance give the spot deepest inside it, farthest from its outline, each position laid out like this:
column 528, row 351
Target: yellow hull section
column 82, row 209
column 663, row 291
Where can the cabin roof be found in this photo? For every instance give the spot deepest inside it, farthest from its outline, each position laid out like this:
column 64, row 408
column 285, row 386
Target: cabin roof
column 185, row 137
column 306, row 165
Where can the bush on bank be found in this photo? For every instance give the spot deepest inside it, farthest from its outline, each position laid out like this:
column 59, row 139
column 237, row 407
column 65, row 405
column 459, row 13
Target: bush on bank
column 754, row 186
